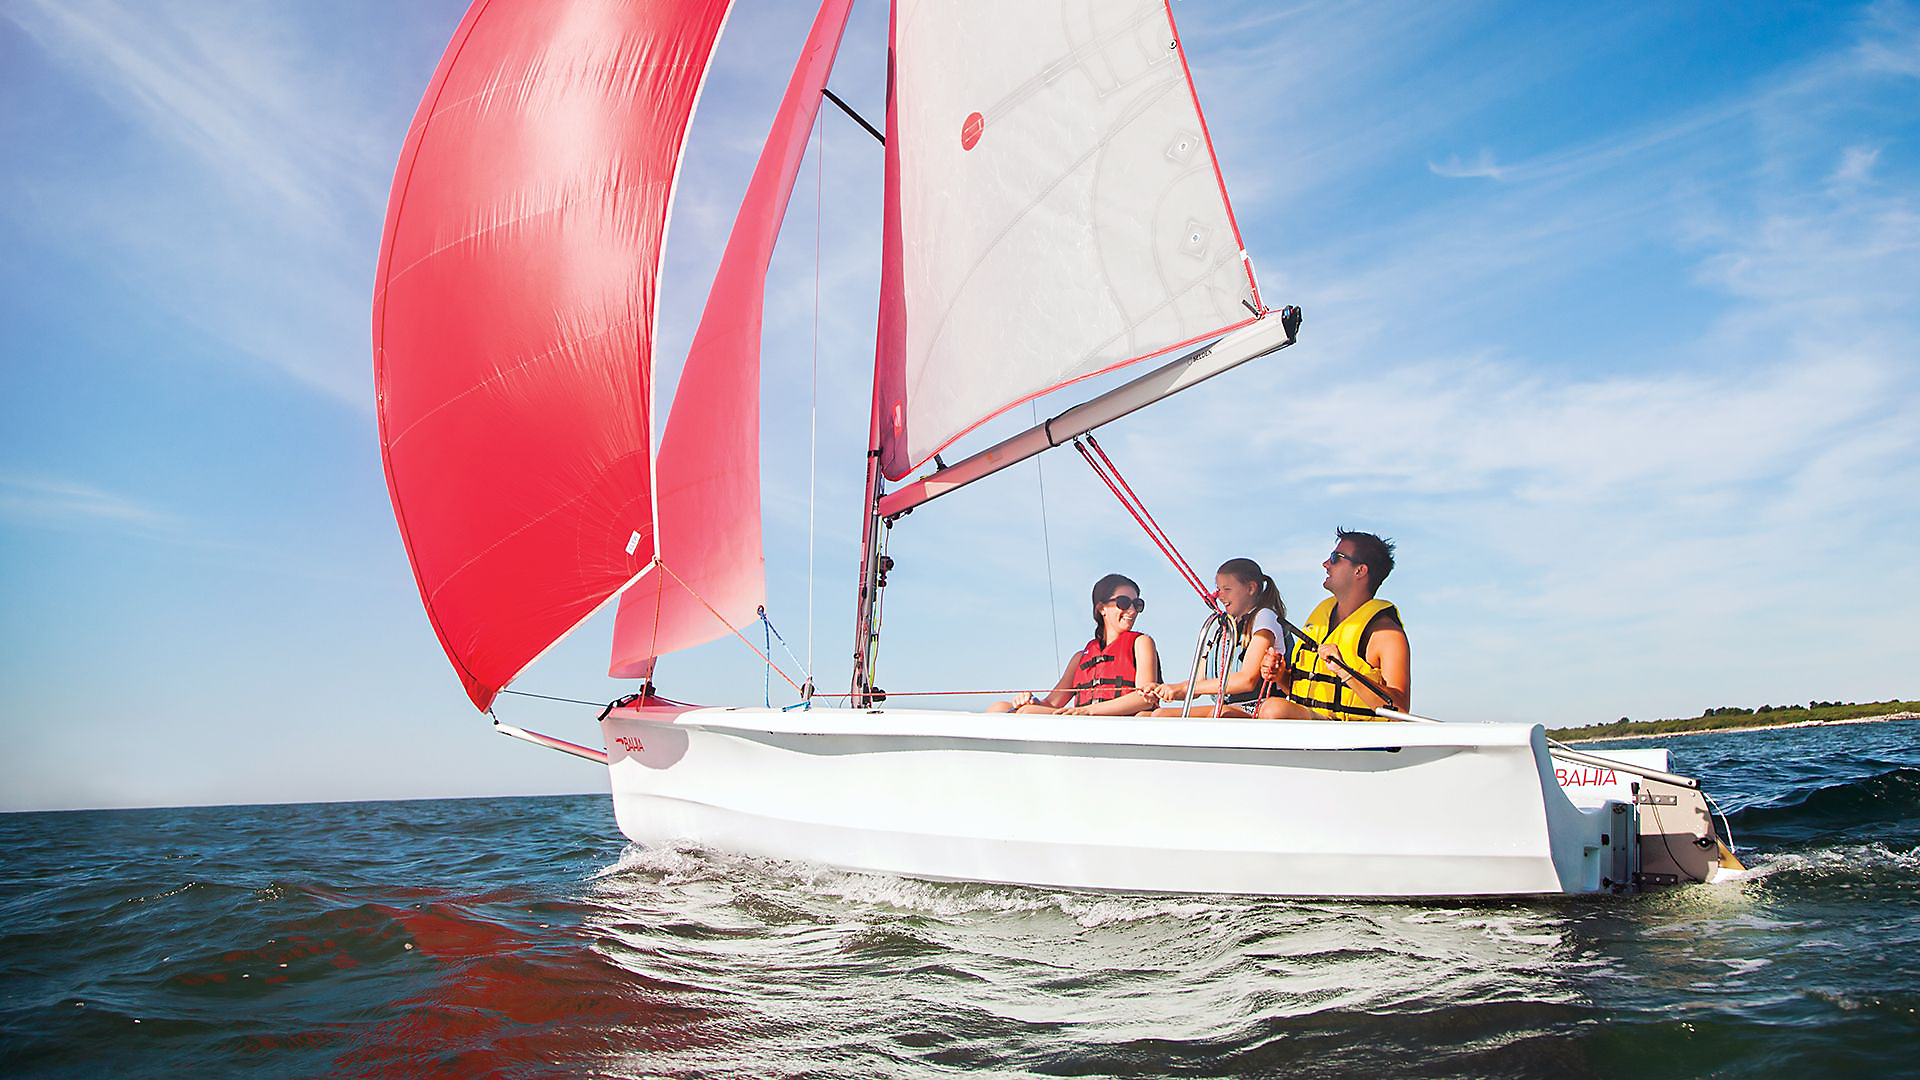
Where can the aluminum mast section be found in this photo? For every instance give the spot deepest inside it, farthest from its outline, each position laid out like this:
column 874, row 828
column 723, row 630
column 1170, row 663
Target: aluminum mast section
column 1248, row 343
column 873, row 574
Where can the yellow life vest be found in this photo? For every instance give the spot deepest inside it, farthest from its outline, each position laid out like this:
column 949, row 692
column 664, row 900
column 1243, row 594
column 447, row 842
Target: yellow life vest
column 1316, row 683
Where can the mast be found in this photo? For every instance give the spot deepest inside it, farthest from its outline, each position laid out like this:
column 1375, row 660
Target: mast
column 874, row 565
column 873, row 573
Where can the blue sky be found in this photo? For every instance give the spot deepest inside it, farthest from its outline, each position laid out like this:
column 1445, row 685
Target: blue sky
column 1611, row 323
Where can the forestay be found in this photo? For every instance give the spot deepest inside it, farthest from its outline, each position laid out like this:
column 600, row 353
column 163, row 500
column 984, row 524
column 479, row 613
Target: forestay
column 1053, row 210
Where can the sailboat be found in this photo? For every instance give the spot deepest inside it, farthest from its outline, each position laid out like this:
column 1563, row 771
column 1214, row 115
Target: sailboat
column 1053, row 211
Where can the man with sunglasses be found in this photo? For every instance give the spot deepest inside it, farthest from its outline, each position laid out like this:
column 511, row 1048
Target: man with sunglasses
column 1353, row 639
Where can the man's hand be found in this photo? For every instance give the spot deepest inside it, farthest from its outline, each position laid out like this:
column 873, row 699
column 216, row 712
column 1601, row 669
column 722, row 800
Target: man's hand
column 1330, row 657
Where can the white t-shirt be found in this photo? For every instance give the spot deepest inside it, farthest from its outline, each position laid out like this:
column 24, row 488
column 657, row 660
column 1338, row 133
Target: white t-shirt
column 1265, row 619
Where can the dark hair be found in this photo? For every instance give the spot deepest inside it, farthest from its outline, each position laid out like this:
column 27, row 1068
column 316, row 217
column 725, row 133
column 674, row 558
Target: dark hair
column 1103, row 592
column 1249, row 571
column 1371, row 552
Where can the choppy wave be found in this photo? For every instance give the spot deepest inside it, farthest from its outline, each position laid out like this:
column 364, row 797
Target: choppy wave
column 1890, row 798
column 522, row 937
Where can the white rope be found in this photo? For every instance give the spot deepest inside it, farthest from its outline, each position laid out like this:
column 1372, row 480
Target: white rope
column 1046, row 541
column 813, row 384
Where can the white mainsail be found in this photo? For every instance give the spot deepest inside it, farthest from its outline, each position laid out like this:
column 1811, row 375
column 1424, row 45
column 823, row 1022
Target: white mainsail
column 1054, row 210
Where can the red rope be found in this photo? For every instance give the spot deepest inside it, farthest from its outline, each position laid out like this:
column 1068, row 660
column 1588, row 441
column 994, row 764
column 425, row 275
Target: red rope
column 1181, row 563
column 1172, row 556
column 1115, row 483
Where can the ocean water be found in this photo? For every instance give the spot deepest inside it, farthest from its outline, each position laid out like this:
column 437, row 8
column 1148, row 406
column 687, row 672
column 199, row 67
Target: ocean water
column 521, row 937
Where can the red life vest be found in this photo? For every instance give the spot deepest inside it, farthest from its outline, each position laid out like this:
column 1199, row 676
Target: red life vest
column 1104, row 672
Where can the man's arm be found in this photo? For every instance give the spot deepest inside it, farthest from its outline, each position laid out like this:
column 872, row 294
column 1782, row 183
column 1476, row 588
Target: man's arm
column 1388, row 653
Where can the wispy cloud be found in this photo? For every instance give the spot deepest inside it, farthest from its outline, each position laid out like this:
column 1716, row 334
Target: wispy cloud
column 238, row 181
column 218, row 89
column 47, row 502
column 1481, row 167
column 1856, row 165
column 1892, row 44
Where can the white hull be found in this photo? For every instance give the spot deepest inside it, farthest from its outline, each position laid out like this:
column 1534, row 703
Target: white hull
column 1137, row 805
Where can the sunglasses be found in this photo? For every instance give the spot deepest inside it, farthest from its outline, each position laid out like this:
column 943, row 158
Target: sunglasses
column 1126, row 603
column 1341, row 556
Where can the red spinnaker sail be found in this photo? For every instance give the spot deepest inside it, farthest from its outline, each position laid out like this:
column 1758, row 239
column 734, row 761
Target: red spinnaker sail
column 514, row 315
column 709, row 469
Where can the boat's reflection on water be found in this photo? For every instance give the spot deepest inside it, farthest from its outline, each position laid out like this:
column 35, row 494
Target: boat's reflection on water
column 814, row 970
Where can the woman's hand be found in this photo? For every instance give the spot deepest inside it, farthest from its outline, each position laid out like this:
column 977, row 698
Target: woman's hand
column 1170, row 691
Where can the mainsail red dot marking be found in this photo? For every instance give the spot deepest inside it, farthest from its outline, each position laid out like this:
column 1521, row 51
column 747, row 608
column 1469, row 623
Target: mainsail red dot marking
column 971, row 129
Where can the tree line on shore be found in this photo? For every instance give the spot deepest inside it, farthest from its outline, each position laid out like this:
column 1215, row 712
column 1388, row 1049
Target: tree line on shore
column 1736, row 716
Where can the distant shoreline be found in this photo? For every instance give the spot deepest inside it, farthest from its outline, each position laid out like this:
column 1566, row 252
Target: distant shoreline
column 1755, row 727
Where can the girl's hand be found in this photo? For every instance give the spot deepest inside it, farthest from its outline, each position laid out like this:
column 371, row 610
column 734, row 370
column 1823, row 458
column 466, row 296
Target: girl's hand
column 1272, row 666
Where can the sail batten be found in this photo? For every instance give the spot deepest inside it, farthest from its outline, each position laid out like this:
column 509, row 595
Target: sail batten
column 515, row 308
column 1053, row 211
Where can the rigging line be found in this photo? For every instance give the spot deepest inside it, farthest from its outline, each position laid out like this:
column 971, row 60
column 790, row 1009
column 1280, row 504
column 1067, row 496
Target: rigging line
column 1046, row 542
column 1164, row 543
column 777, row 636
column 1094, row 444
column 813, row 382
column 730, row 627
column 548, row 697
column 879, row 606
column 1185, row 566
column 857, row 118
column 1165, row 546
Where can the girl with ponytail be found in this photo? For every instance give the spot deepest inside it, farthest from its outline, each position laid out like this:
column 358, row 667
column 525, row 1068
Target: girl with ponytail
column 1250, row 598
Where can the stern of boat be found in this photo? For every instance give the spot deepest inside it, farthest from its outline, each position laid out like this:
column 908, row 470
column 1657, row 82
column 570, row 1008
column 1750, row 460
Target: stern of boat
column 1654, row 833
